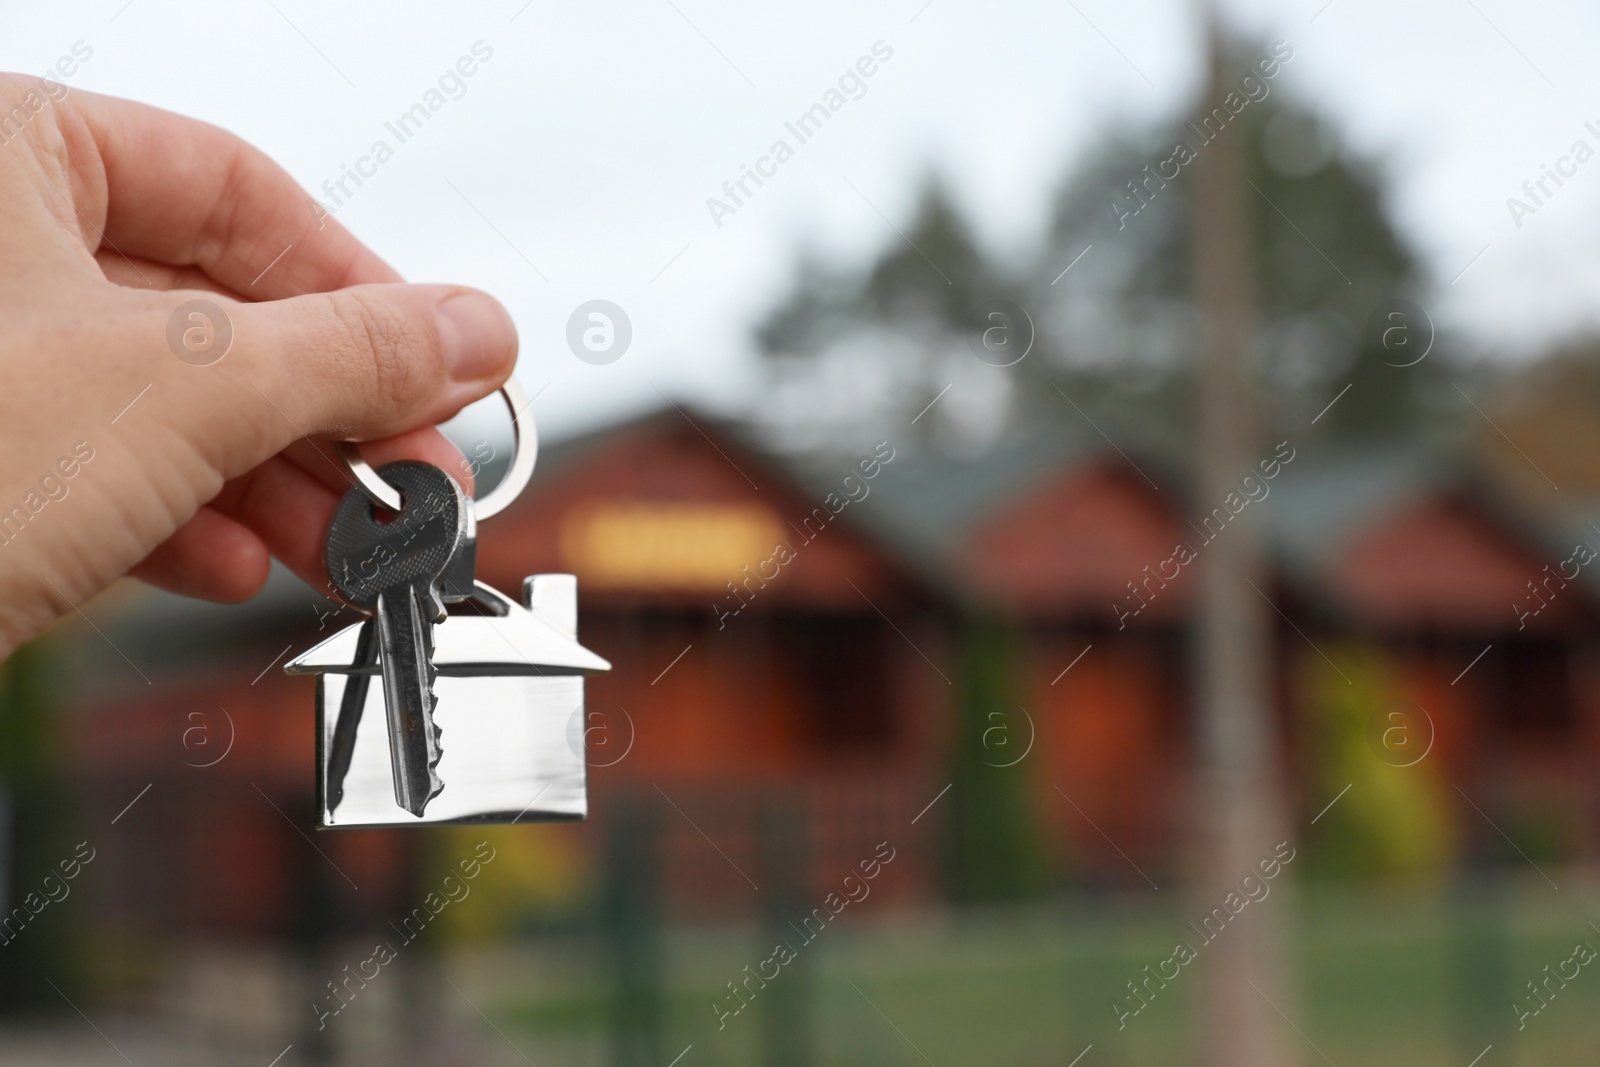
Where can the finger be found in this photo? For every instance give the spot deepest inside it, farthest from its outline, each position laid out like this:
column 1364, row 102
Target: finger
column 184, row 192
column 136, row 272
column 426, row 444
column 212, row 557
column 320, row 460
column 289, row 510
column 372, row 361
column 288, row 502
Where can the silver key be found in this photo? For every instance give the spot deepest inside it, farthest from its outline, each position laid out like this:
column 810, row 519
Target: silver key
column 395, row 567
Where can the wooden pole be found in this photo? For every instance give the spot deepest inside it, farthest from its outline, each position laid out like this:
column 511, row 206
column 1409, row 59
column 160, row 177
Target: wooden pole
column 1242, row 808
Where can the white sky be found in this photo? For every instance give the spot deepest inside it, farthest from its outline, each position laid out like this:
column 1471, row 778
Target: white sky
column 594, row 135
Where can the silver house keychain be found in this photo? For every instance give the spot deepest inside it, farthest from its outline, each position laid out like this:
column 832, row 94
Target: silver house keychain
column 475, row 716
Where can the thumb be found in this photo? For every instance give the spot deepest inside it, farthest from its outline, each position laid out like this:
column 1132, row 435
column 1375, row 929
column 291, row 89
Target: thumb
column 372, row 361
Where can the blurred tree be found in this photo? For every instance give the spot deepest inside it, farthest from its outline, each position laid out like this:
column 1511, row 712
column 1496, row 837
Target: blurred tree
column 36, row 827
column 1395, row 820
column 856, row 346
column 540, row 879
column 861, row 348
column 927, row 282
column 994, row 850
column 1551, row 409
column 1329, row 265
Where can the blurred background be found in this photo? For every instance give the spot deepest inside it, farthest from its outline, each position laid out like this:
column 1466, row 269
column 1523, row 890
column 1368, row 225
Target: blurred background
column 1090, row 508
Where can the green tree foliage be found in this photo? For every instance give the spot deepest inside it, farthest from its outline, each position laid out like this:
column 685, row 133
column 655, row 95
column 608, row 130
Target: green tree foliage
column 993, row 844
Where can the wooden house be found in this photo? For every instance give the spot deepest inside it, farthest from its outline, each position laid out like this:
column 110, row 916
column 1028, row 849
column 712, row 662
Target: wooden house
column 785, row 641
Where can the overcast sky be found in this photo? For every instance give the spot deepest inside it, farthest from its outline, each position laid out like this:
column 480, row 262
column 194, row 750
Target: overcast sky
column 578, row 159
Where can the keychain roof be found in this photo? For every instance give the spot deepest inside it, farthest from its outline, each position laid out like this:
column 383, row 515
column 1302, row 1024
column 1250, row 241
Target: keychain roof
column 513, row 639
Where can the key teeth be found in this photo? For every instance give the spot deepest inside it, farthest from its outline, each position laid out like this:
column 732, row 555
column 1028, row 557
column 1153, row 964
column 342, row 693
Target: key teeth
column 436, row 747
column 435, row 783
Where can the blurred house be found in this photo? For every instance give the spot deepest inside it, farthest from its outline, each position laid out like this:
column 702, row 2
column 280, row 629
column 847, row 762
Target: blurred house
column 784, row 633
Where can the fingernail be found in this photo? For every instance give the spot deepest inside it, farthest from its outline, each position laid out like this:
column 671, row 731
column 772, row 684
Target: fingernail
column 477, row 334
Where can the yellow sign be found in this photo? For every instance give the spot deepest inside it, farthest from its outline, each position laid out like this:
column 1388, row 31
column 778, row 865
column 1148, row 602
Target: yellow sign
column 663, row 545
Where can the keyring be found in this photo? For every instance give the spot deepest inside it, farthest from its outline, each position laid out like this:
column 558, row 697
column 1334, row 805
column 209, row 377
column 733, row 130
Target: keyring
column 525, row 446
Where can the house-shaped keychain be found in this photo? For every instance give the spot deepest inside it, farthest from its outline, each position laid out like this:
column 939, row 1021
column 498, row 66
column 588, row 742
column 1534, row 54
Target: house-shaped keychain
column 509, row 707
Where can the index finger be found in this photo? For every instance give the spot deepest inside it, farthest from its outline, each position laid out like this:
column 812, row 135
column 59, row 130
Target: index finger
column 184, row 192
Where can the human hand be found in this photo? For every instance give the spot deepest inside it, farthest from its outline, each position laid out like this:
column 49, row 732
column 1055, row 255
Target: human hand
column 121, row 457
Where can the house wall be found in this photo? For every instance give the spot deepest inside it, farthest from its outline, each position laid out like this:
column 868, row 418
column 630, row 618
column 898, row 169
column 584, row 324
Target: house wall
column 1113, row 748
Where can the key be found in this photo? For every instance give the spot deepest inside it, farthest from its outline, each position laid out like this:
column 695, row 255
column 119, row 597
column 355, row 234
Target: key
column 457, row 586
column 394, row 566
column 343, row 746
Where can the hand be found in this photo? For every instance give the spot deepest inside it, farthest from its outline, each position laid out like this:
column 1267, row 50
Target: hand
column 114, row 215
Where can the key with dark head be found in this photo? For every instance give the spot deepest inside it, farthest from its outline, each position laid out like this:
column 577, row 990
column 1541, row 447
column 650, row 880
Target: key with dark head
column 393, row 565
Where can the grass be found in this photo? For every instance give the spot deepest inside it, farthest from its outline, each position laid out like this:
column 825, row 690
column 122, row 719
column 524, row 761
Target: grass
column 1383, row 976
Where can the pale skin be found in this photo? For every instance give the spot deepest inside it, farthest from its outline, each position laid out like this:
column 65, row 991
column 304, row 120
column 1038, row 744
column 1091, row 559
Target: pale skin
column 113, row 215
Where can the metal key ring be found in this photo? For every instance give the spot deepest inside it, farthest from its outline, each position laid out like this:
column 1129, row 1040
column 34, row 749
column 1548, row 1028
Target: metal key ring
column 525, row 438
